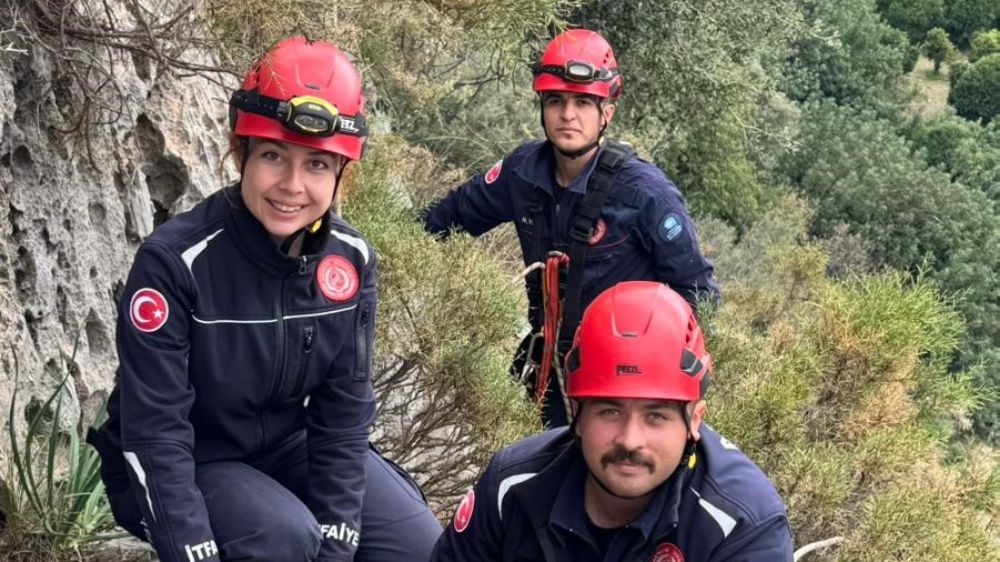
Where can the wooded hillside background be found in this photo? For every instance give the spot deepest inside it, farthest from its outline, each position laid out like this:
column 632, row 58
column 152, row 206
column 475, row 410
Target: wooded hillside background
column 846, row 191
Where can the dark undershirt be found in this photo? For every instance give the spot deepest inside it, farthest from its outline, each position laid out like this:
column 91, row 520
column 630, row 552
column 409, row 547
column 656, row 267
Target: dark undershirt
column 602, row 537
column 557, row 193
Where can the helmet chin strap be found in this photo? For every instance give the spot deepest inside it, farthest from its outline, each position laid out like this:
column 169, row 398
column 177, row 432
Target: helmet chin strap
column 574, row 154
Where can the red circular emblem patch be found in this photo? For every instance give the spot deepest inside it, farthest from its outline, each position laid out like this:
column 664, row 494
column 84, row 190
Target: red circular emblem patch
column 667, row 552
column 337, row 278
column 493, row 173
column 463, row 515
column 600, row 229
column 148, row 310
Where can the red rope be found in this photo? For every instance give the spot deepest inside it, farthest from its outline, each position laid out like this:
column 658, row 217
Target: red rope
column 552, row 307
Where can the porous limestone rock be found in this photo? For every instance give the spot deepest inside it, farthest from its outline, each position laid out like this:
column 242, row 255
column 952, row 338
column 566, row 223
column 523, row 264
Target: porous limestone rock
column 76, row 201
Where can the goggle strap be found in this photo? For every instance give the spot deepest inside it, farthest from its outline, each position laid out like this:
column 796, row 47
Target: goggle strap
column 266, row 106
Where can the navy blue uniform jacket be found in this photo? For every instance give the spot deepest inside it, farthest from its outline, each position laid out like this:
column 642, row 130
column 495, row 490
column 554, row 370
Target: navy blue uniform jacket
column 528, row 506
column 243, row 336
column 644, row 231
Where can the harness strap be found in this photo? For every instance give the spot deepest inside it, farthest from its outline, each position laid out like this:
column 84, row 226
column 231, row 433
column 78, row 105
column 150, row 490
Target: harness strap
column 609, row 163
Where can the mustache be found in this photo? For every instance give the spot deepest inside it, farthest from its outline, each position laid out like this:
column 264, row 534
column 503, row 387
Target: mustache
column 620, row 454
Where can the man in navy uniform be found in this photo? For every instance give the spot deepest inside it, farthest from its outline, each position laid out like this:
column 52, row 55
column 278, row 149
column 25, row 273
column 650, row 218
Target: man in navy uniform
column 641, row 231
column 637, row 477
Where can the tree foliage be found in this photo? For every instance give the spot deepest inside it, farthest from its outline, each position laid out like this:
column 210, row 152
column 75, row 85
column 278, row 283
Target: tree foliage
column 913, row 17
column 692, row 77
column 448, row 320
column 984, row 43
column 449, row 75
column 939, row 48
column 857, row 170
column 963, row 18
column 976, row 94
column 970, row 153
column 849, row 54
column 712, row 164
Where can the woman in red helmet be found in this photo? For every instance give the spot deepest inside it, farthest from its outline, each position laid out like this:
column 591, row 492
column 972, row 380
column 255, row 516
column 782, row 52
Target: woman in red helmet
column 637, row 477
column 639, row 230
column 238, row 429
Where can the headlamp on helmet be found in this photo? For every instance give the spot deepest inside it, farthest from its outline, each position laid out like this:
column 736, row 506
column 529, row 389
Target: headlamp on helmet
column 306, row 115
column 577, row 71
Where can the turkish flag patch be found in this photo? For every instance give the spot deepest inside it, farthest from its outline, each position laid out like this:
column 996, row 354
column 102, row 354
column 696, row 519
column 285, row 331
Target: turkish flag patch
column 148, row 310
column 337, row 278
column 668, row 552
column 493, row 173
column 463, row 515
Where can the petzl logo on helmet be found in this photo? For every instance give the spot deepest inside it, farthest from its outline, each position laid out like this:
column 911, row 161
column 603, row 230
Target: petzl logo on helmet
column 148, row 310
column 347, row 124
column 493, row 173
column 337, row 278
column 463, row 515
column 600, row 229
column 670, row 227
column 667, row 552
column 625, row 370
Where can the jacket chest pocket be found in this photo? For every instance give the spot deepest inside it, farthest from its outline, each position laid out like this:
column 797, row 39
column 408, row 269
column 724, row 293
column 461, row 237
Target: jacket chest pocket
column 300, row 351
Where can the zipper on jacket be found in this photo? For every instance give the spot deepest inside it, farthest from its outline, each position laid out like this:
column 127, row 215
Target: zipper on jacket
column 303, row 264
column 279, row 376
column 307, row 346
column 362, row 364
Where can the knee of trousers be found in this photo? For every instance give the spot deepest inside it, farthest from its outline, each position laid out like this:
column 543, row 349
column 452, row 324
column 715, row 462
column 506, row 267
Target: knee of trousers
column 295, row 539
column 255, row 518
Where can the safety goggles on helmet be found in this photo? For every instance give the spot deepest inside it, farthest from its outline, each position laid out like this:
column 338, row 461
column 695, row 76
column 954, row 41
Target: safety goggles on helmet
column 577, row 71
column 306, row 115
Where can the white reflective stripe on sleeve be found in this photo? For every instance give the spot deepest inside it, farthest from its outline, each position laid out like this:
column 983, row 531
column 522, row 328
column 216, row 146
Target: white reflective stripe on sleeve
column 353, row 241
column 192, row 253
column 726, row 523
column 140, row 474
column 506, row 485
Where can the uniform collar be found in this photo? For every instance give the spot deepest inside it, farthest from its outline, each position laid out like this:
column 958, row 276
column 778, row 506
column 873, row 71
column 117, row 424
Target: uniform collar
column 568, row 511
column 255, row 242
column 538, row 168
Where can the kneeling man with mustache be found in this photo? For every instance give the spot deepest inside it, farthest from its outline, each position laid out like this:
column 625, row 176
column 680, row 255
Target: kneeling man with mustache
column 636, row 477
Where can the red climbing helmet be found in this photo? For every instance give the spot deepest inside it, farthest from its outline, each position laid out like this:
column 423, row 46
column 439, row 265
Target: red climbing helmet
column 581, row 61
column 303, row 92
column 638, row 339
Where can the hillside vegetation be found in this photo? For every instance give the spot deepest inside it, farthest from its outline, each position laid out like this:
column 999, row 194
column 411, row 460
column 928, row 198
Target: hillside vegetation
column 858, row 341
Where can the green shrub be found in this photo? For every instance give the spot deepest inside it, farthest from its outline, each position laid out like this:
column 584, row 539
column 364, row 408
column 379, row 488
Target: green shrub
column 970, row 153
column 913, row 17
column 849, row 54
column 938, row 48
column 963, row 18
column 976, row 94
column 984, row 43
column 448, row 320
column 712, row 167
column 841, row 392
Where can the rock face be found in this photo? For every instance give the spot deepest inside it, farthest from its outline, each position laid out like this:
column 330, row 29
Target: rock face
column 75, row 204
